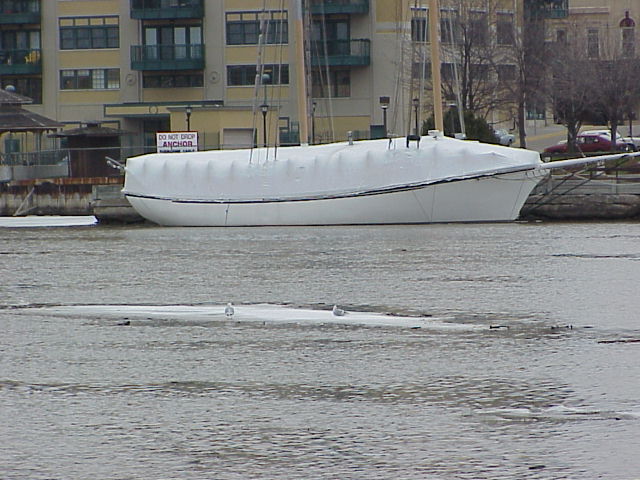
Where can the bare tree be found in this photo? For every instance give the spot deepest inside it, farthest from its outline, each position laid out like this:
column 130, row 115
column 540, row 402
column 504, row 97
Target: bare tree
column 616, row 75
column 573, row 84
column 469, row 48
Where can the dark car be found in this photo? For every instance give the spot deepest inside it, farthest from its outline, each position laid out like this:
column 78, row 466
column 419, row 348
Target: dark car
column 588, row 143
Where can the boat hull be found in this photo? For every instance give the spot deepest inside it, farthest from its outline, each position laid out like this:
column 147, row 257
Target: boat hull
column 496, row 198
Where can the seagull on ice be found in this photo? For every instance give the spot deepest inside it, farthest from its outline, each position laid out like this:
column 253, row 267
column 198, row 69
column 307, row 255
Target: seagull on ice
column 338, row 312
column 229, row 311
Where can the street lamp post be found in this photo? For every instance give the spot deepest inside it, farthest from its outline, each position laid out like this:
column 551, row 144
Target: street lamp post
column 313, row 122
column 264, row 108
column 416, row 104
column 384, row 104
column 187, row 112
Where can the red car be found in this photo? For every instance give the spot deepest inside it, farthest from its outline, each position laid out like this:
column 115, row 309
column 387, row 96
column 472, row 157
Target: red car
column 588, row 143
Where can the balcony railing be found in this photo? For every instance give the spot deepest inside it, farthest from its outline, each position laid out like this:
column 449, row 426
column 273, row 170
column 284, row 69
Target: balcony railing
column 167, row 57
column 20, row 62
column 337, row 53
column 166, row 9
column 19, row 12
column 540, row 9
column 339, row 6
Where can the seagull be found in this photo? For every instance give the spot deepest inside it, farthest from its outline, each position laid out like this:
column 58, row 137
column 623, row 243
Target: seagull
column 338, row 312
column 229, row 311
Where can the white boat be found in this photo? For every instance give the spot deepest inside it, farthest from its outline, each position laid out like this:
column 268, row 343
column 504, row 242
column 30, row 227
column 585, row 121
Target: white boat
column 369, row 182
column 389, row 181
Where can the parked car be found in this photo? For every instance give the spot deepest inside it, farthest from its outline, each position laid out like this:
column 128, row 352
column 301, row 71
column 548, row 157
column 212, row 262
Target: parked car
column 588, row 143
column 635, row 141
column 504, row 137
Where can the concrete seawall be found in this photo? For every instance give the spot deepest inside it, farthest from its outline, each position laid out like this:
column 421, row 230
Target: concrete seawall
column 566, row 201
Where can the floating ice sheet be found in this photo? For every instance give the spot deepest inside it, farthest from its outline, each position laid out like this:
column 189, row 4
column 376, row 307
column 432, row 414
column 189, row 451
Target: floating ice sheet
column 48, row 221
column 268, row 313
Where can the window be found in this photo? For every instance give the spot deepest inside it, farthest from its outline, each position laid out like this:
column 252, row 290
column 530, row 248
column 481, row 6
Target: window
column 628, row 42
column 479, row 28
column 504, row 29
column 506, row 73
column 182, row 80
column 339, row 84
column 243, row 28
column 420, row 26
column 628, row 26
column 243, row 75
column 536, row 109
column 450, row 29
column 79, row 33
column 421, row 70
column 28, row 86
column 90, row 79
column 593, row 43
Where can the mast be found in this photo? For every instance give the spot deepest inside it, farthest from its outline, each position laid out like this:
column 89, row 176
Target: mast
column 434, row 40
column 301, row 77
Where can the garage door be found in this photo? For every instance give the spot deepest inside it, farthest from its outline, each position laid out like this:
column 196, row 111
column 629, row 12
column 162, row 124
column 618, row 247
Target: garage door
column 237, row 138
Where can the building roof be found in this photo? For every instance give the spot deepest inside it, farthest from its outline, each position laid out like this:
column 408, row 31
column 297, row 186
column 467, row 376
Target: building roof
column 89, row 130
column 9, row 97
column 16, row 119
column 13, row 118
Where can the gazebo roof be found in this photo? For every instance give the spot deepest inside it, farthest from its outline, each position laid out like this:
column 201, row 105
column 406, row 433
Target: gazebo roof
column 9, row 97
column 19, row 120
column 13, row 118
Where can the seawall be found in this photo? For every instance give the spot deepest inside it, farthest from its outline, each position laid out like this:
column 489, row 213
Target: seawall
column 552, row 200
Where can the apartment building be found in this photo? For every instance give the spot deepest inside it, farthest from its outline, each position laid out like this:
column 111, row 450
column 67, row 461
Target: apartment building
column 607, row 29
column 144, row 66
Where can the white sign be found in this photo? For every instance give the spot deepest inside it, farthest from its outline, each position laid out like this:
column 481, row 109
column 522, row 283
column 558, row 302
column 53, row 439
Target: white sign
column 177, row 142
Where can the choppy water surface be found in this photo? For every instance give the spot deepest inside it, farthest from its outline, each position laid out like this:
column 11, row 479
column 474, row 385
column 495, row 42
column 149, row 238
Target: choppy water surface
column 413, row 383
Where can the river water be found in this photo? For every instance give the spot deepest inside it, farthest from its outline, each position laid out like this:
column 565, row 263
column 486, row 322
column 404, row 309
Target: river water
column 412, row 383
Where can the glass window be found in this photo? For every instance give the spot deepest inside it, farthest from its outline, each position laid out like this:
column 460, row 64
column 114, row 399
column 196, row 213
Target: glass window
column 593, row 43
column 90, row 79
column 89, row 33
column 84, row 79
column 629, row 42
column 419, row 29
column 172, row 81
column 338, row 84
column 243, row 28
column 504, row 29
column 243, row 75
column 479, row 28
column 113, row 78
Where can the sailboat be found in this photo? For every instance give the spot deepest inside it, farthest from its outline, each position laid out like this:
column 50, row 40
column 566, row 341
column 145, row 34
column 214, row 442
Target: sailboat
column 428, row 179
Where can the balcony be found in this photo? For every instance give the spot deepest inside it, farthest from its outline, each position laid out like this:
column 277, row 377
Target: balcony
column 166, row 9
column 536, row 9
column 20, row 62
column 341, row 53
column 326, row 7
column 167, row 57
column 12, row 12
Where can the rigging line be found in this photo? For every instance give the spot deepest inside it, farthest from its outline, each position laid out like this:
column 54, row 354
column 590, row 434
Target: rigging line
column 401, row 73
column 319, row 48
column 281, row 24
column 258, row 78
column 456, row 75
column 414, row 56
column 265, row 24
column 423, row 60
column 328, row 72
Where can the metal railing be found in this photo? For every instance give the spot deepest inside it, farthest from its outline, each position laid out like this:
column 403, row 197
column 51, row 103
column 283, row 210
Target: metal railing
column 167, row 56
column 28, row 159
